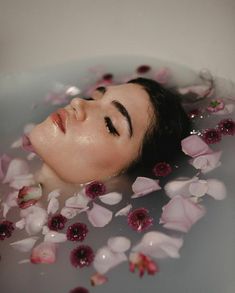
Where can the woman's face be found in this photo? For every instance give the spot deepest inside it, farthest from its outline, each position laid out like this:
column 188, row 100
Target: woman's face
column 95, row 139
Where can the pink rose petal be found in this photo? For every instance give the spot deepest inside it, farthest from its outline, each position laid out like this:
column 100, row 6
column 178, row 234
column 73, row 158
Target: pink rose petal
column 207, row 162
column 106, row 259
column 16, row 167
column 111, row 198
column 144, row 185
column 119, row 243
column 216, row 189
column 99, row 216
column 198, row 188
column 159, row 245
column 45, row 253
column 24, row 245
column 179, row 186
column 4, row 164
column 194, row 146
column 181, row 213
column 124, row 211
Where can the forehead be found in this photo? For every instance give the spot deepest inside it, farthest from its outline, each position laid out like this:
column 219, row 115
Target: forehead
column 136, row 100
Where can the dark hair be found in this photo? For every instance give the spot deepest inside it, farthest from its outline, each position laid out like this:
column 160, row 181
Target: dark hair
column 171, row 124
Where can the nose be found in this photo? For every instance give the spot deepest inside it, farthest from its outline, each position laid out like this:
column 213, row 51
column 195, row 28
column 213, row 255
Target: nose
column 79, row 106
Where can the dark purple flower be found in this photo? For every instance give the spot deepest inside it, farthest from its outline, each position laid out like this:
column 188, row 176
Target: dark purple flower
column 77, row 232
column 82, row 256
column 139, row 219
column 107, row 77
column 194, row 113
column 211, row 135
column 6, row 229
column 227, row 127
column 57, row 222
column 162, row 169
column 79, row 290
column 143, row 69
column 95, row 189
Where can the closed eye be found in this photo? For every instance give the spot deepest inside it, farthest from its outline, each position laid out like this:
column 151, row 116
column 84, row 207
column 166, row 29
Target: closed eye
column 110, row 127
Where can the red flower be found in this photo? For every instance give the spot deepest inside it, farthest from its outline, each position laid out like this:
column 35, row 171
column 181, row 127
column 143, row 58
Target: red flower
column 6, row 229
column 162, row 169
column 143, row 69
column 79, row 290
column 57, row 222
column 142, row 263
column 139, row 219
column 82, row 256
column 211, row 135
column 227, row 127
column 95, row 189
column 77, row 232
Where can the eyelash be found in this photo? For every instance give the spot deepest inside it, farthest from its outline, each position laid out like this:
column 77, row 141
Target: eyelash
column 110, row 127
column 108, row 122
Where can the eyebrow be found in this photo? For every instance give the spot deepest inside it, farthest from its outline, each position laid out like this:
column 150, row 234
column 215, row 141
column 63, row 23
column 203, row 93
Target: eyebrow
column 120, row 108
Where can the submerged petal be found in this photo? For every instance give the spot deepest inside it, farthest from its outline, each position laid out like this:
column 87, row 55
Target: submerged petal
column 45, row 253
column 99, row 216
column 159, row 245
column 119, row 243
column 124, row 211
column 16, row 167
column 106, row 259
column 216, row 189
column 24, row 245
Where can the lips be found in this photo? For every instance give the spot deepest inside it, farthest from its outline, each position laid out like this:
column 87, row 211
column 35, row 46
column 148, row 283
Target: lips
column 59, row 119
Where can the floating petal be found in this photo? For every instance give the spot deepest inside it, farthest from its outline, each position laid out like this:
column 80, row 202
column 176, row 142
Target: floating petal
column 179, row 186
column 207, row 162
column 181, row 213
column 198, row 188
column 124, row 211
column 20, row 181
column 24, row 245
column 4, row 164
column 77, row 201
column 111, row 198
column 69, row 213
column 99, row 216
column 45, row 252
column 98, row 279
column 194, row 146
column 56, row 237
column 144, row 185
column 53, row 206
column 53, row 194
column 16, row 167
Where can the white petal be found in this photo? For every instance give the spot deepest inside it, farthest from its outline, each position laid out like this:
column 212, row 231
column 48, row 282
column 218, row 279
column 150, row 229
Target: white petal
column 53, row 194
column 159, row 245
column 119, row 244
column 31, row 156
column 73, row 91
column 111, row 198
column 216, row 189
column 144, row 185
column 24, row 245
column 99, row 216
column 17, row 143
column 16, row 167
column 20, row 224
column 53, row 206
column 69, row 213
column 20, row 181
column 198, row 188
column 45, row 229
column 10, row 202
column 124, row 211
column 56, row 237
column 35, row 218
column 77, row 201
column 105, row 259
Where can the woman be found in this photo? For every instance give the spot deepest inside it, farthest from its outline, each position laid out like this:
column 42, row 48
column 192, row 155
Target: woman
column 117, row 129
